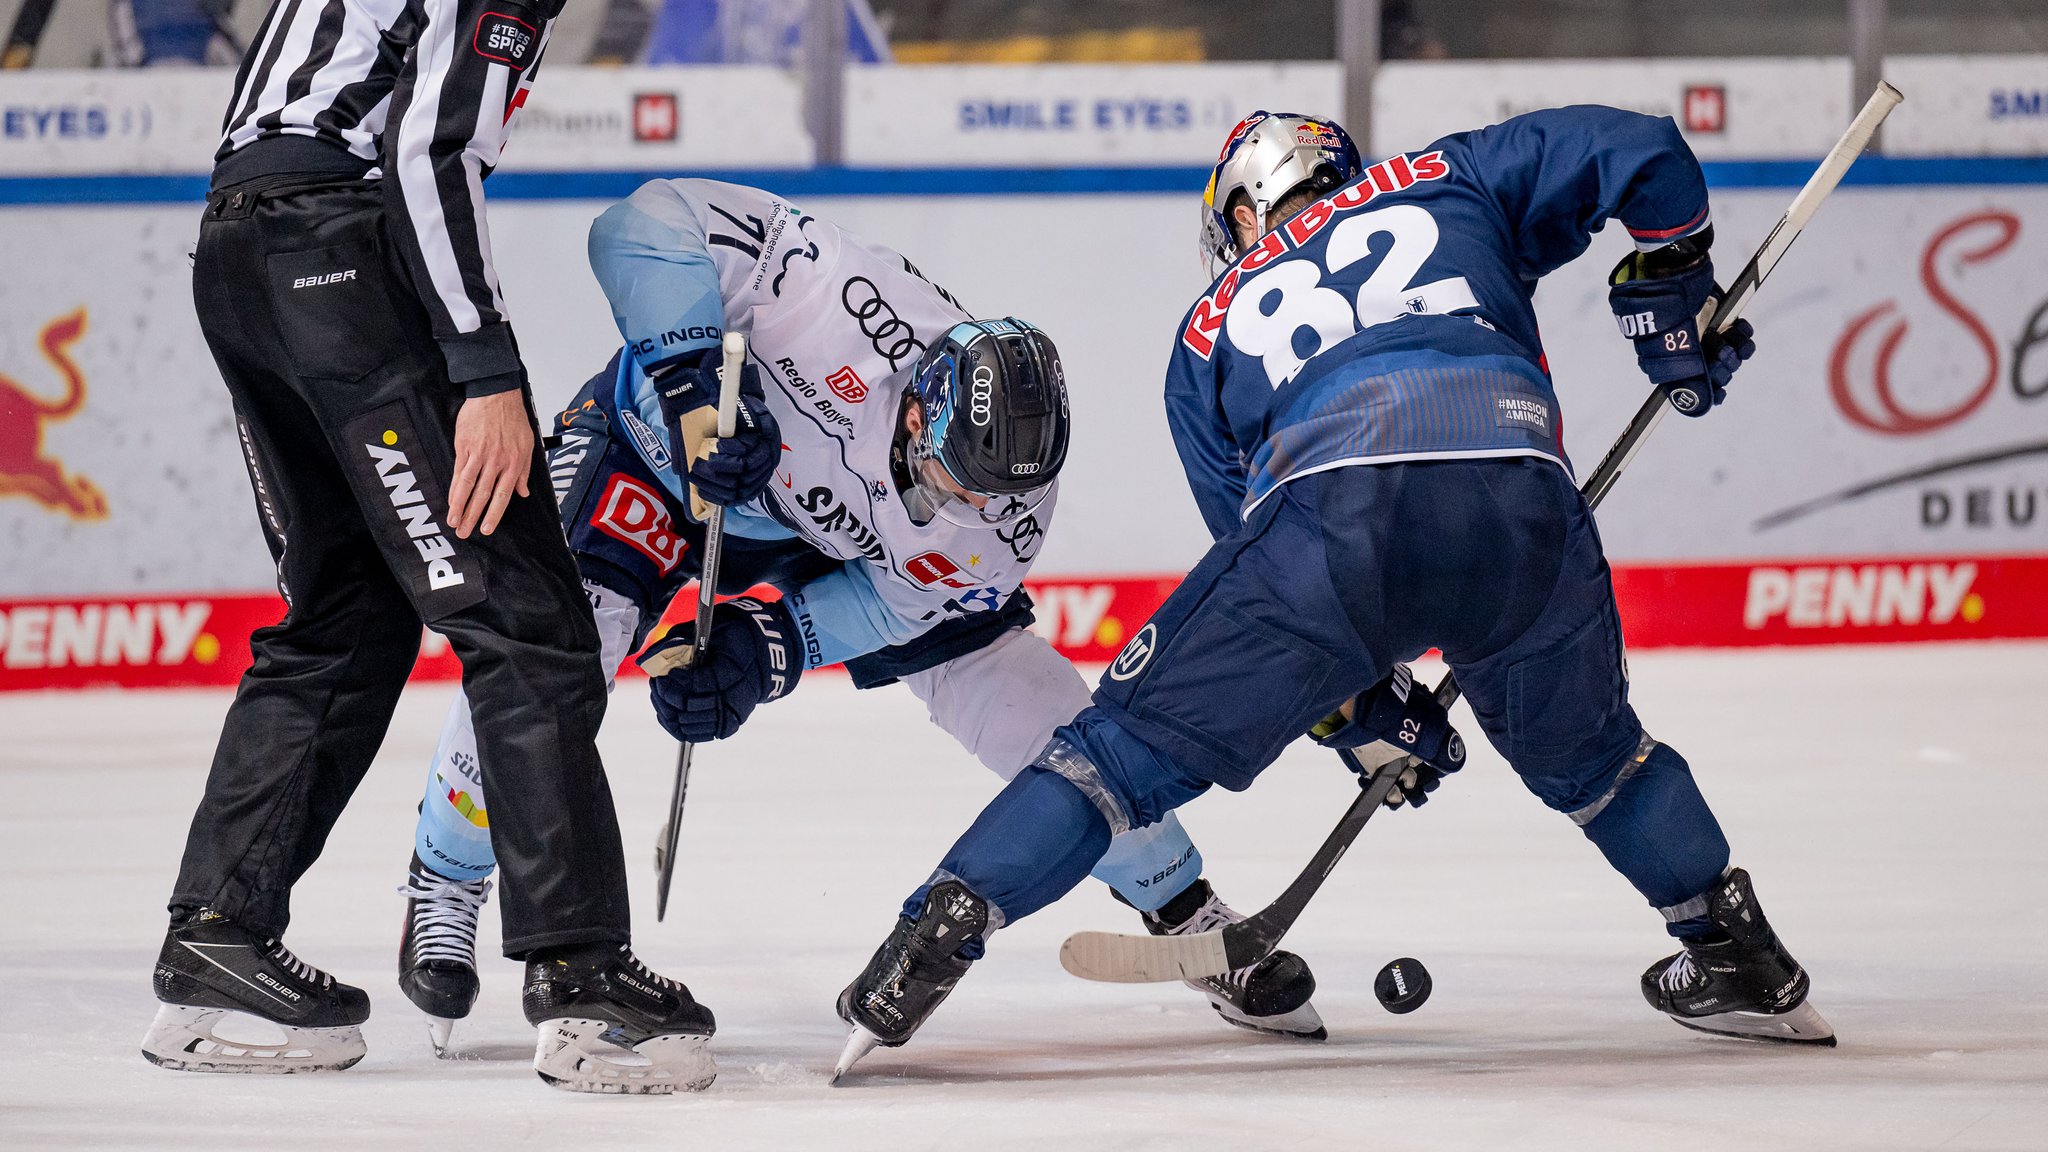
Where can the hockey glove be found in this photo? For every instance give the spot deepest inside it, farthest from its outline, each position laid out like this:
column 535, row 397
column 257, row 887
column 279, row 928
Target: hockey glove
column 753, row 658
column 1658, row 309
column 1391, row 721
column 729, row 471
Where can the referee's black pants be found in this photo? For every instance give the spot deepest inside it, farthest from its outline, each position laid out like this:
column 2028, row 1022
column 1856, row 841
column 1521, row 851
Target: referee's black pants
column 347, row 421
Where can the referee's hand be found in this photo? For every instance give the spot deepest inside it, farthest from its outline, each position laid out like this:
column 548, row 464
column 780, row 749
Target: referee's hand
column 493, row 452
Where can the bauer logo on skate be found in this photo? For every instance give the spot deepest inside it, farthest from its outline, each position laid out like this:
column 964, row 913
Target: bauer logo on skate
column 634, row 514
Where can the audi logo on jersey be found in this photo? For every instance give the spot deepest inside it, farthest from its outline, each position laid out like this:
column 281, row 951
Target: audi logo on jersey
column 893, row 338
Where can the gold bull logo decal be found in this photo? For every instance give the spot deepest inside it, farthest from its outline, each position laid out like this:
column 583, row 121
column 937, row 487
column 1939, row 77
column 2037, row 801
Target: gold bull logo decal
column 25, row 467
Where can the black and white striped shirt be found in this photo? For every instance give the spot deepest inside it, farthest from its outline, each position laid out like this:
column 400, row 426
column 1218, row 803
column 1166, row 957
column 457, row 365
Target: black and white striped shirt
column 422, row 93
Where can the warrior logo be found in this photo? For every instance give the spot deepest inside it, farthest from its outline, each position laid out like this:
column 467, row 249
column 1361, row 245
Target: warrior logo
column 1136, row 654
column 25, row 470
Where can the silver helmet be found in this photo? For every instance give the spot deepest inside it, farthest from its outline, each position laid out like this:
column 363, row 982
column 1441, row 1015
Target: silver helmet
column 1268, row 155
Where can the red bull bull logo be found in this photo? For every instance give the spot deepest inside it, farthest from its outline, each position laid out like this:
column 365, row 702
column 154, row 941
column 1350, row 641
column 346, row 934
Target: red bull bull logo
column 25, row 467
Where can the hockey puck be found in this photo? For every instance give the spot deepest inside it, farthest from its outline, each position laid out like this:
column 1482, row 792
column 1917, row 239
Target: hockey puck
column 1402, row 985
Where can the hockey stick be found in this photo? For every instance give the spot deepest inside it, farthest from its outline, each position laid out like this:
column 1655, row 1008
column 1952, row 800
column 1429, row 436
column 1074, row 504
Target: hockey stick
column 27, row 33
column 1116, row 958
column 707, row 595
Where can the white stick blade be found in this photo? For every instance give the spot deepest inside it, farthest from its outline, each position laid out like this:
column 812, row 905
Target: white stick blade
column 1114, row 958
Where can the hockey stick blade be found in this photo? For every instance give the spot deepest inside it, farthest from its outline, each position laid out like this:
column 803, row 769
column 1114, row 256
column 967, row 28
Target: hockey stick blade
column 1115, row 958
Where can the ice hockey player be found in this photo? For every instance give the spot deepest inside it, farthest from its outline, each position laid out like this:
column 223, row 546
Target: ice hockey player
column 913, row 489
column 1363, row 410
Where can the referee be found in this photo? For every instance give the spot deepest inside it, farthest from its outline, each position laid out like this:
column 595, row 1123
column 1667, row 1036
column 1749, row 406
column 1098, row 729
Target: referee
column 344, row 281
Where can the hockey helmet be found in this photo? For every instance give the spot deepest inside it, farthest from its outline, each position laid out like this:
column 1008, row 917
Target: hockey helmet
column 994, row 400
column 1268, row 155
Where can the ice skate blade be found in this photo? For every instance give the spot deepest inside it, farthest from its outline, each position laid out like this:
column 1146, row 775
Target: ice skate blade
column 1304, row 1023
column 579, row 1055
column 1802, row 1025
column 440, row 1030
column 183, row 1038
column 859, row 1042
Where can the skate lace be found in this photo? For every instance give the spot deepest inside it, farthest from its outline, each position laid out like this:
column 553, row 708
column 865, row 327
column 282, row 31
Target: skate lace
column 444, row 917
column 641, row 970
column 283, row 958
column 1214, row 914
column 1679, row 974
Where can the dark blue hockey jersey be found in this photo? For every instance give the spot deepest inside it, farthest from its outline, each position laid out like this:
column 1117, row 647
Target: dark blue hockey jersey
column 1391, row 320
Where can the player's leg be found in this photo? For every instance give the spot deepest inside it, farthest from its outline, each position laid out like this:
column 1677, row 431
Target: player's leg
column 1257, row 620
column 1554, row 699
column 1002, row 702
column 628, row 588
column 307, row 717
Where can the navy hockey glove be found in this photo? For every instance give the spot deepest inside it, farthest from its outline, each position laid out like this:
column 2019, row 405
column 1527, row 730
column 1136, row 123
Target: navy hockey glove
column 754, row 658
column 1657, row 308
column 729, row 471
column 1390, row 721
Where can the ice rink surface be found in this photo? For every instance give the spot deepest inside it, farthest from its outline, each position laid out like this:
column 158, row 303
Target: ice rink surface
column 1892, row 804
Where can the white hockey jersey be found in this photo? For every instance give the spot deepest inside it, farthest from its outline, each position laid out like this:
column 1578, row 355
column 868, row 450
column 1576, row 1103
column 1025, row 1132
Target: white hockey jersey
column 834, row 325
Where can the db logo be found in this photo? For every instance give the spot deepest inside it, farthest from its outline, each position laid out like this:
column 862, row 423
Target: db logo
column 635, row 514
column 1870, row 400
column 846, row 384
column 656, row 117
column 935, row 568
column 1706, row 108
column 1136, row 654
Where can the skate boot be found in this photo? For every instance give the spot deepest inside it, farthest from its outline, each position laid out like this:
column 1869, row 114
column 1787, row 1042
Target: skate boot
column 437, row 950
column 912, row 972
column 1269, row 996
column 213, row 976
column 608, row 1024
column 1739, row 981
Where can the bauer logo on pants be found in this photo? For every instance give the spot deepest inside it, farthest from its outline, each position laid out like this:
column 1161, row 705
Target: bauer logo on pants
column 1136, row 654
column 392, row 470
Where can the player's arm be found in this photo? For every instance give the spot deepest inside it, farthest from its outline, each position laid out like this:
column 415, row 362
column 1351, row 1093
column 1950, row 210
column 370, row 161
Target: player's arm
column 1560, row 174
column 653, row 262
column 759, row 650
column 1208, row 453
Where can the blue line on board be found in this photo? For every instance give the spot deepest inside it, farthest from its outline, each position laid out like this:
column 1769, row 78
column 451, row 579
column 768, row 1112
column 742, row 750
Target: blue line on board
column 1871, row 171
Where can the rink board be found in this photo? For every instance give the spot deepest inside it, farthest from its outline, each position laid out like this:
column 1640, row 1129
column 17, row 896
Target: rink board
column 188, row 641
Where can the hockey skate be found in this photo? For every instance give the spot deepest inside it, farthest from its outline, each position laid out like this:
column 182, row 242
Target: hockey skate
column 1270, row 996
column 1740, row 981
column 437, row 950
column 608, row 1024
column 222, row 985
column 912, row 972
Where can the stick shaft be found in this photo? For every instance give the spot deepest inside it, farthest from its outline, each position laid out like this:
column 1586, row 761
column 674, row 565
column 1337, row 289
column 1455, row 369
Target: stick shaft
column 707, row 597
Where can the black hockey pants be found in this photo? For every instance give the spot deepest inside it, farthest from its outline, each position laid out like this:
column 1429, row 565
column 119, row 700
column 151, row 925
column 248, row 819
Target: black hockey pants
column 347, row 422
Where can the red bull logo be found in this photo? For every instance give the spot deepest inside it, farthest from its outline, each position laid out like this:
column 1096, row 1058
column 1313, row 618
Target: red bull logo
column 25, row 467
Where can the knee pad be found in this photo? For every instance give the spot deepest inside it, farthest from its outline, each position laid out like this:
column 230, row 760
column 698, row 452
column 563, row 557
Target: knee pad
column 1030, row 846
column 1655, row 828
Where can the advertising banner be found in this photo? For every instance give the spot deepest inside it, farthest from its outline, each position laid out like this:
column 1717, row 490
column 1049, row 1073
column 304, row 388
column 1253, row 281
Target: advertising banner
column 1969, row 106
column 55, row 122
column 1067, row 114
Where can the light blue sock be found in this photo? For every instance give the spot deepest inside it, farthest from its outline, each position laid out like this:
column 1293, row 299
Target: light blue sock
column 1151, row 865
